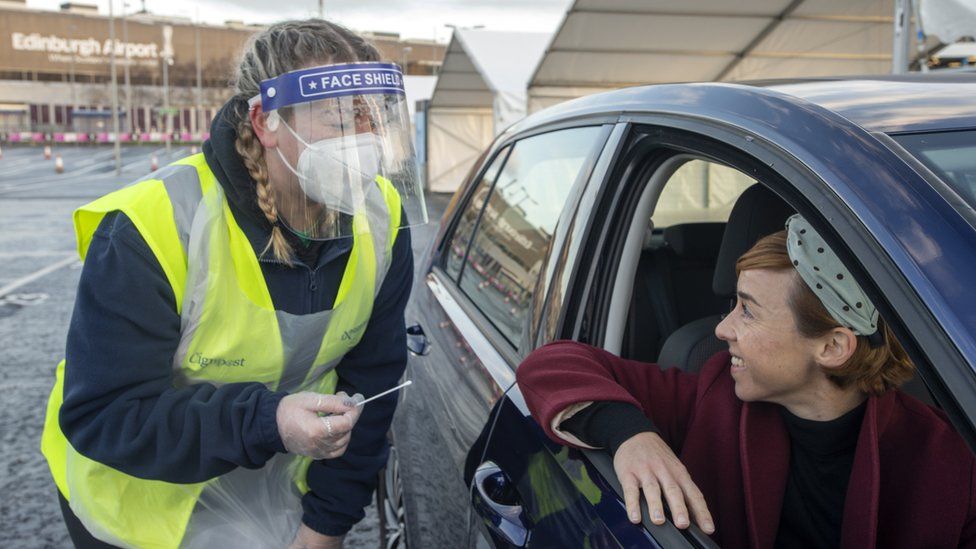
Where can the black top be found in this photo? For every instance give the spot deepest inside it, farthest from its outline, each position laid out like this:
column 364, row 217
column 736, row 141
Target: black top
column 821, row 457
column 607, row 424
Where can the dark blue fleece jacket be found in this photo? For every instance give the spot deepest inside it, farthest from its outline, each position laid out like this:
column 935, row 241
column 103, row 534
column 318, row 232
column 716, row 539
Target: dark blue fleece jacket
column 121, row 408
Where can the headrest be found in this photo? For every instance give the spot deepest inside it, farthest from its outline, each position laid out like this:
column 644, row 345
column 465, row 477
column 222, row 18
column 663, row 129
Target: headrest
column 757, row 213
column 695, row 240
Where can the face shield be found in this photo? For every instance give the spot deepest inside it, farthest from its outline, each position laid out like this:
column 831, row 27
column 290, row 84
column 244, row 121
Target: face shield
column 345, row 139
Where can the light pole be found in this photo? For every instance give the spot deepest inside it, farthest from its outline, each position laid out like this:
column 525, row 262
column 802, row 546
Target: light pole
column 115, row 89
column 74, row 96
column 167, row 126
column 125, row 69
column 167, row 61
column 199, row 94
column 899, row 57
column 405, row 55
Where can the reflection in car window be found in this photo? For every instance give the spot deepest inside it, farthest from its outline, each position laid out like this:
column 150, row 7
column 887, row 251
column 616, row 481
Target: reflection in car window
column 699, row 191
column 465, row 227
column 513, row 237
column 951, row 155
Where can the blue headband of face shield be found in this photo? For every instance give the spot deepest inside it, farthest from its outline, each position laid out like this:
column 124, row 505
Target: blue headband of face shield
column 328, row 81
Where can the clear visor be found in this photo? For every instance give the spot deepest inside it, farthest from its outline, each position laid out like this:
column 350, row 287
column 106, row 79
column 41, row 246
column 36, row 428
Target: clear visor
column 343, row 157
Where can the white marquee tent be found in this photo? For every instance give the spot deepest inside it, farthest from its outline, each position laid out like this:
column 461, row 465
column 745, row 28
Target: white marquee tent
column 480, row 91
column 606, row 44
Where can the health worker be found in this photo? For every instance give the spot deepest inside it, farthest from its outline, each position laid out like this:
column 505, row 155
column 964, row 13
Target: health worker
column 231, row 302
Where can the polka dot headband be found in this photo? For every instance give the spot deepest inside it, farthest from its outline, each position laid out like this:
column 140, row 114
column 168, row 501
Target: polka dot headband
column 831, row 282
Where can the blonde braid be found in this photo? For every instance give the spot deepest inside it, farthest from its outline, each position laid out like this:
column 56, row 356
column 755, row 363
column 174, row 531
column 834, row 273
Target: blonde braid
column 252, row 153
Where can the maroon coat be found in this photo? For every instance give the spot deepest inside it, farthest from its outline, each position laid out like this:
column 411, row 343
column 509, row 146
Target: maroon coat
column 913, row 482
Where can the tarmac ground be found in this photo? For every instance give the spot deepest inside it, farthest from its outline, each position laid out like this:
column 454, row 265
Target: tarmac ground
column 39, row 270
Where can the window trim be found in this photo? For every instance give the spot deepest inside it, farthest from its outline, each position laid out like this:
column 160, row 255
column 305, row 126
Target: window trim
column 484, row 327
column 574, row 240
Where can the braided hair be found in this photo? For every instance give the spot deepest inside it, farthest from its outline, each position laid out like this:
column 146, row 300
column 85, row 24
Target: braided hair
column 281, row 48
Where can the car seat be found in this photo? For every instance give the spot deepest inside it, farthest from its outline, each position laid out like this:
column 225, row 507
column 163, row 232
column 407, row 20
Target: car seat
column 758, row 212
column 678, row 261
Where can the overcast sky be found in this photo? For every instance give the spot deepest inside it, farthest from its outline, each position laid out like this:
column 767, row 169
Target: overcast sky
column 410, row 18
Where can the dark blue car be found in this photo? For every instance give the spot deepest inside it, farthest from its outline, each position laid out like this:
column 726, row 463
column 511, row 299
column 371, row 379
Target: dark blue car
column 611, row 220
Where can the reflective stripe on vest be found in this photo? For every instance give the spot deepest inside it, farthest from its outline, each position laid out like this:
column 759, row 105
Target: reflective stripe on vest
column 179, row 212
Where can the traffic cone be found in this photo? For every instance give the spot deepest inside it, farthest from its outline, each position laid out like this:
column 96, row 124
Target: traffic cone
column 47, row 152
column 58, row 164
column 154, row 163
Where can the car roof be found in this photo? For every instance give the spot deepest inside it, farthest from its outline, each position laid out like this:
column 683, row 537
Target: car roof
column 908, row 103
column 892, row 104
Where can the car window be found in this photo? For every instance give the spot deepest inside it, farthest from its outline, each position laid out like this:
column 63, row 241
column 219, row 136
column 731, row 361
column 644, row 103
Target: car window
column 951, row 155
column 512, row 239
column 465, row 227
column 699, row 191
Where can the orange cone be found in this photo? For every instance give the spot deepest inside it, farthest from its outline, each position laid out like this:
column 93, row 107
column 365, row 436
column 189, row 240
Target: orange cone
column 154, row 163
column 47, row 152
column 58, row 164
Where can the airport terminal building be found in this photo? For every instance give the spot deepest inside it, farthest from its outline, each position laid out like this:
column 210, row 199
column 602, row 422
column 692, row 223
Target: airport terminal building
column 173, row 74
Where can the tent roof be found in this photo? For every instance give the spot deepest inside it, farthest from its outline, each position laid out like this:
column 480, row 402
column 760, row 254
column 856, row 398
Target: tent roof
column 616, row 43
column 479, row 63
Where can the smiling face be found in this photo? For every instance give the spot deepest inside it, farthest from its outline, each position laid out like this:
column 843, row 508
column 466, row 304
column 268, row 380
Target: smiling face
column 771, row 360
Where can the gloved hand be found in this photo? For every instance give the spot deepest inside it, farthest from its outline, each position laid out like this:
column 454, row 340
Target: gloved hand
column 304, row 432
column 306, row 538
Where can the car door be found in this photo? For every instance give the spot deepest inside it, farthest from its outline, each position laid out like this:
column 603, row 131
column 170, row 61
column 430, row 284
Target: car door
column 527, row 490
column 469, row 314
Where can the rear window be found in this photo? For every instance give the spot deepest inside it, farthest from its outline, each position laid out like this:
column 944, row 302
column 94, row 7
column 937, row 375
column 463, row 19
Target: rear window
column 950, row 155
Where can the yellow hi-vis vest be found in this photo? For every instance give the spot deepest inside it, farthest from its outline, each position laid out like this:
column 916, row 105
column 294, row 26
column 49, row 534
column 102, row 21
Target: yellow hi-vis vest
column 230, row 332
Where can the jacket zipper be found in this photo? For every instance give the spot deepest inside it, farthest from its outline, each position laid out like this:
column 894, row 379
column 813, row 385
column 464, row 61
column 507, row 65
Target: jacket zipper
column 312, row 283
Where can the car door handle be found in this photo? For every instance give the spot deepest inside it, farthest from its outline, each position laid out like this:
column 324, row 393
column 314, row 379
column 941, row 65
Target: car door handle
column 417, row 342
column 495, row 499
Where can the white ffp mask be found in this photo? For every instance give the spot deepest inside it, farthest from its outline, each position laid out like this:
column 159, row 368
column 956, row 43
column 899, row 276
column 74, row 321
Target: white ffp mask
column 335, row 172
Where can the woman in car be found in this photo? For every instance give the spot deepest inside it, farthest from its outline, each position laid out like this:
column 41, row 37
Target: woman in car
column 795, row 437
column 231, row 302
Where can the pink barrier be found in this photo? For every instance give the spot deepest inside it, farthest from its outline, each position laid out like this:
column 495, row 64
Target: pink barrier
column 102, row 137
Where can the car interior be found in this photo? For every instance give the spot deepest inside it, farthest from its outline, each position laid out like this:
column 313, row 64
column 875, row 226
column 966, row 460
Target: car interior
column 676, row 282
